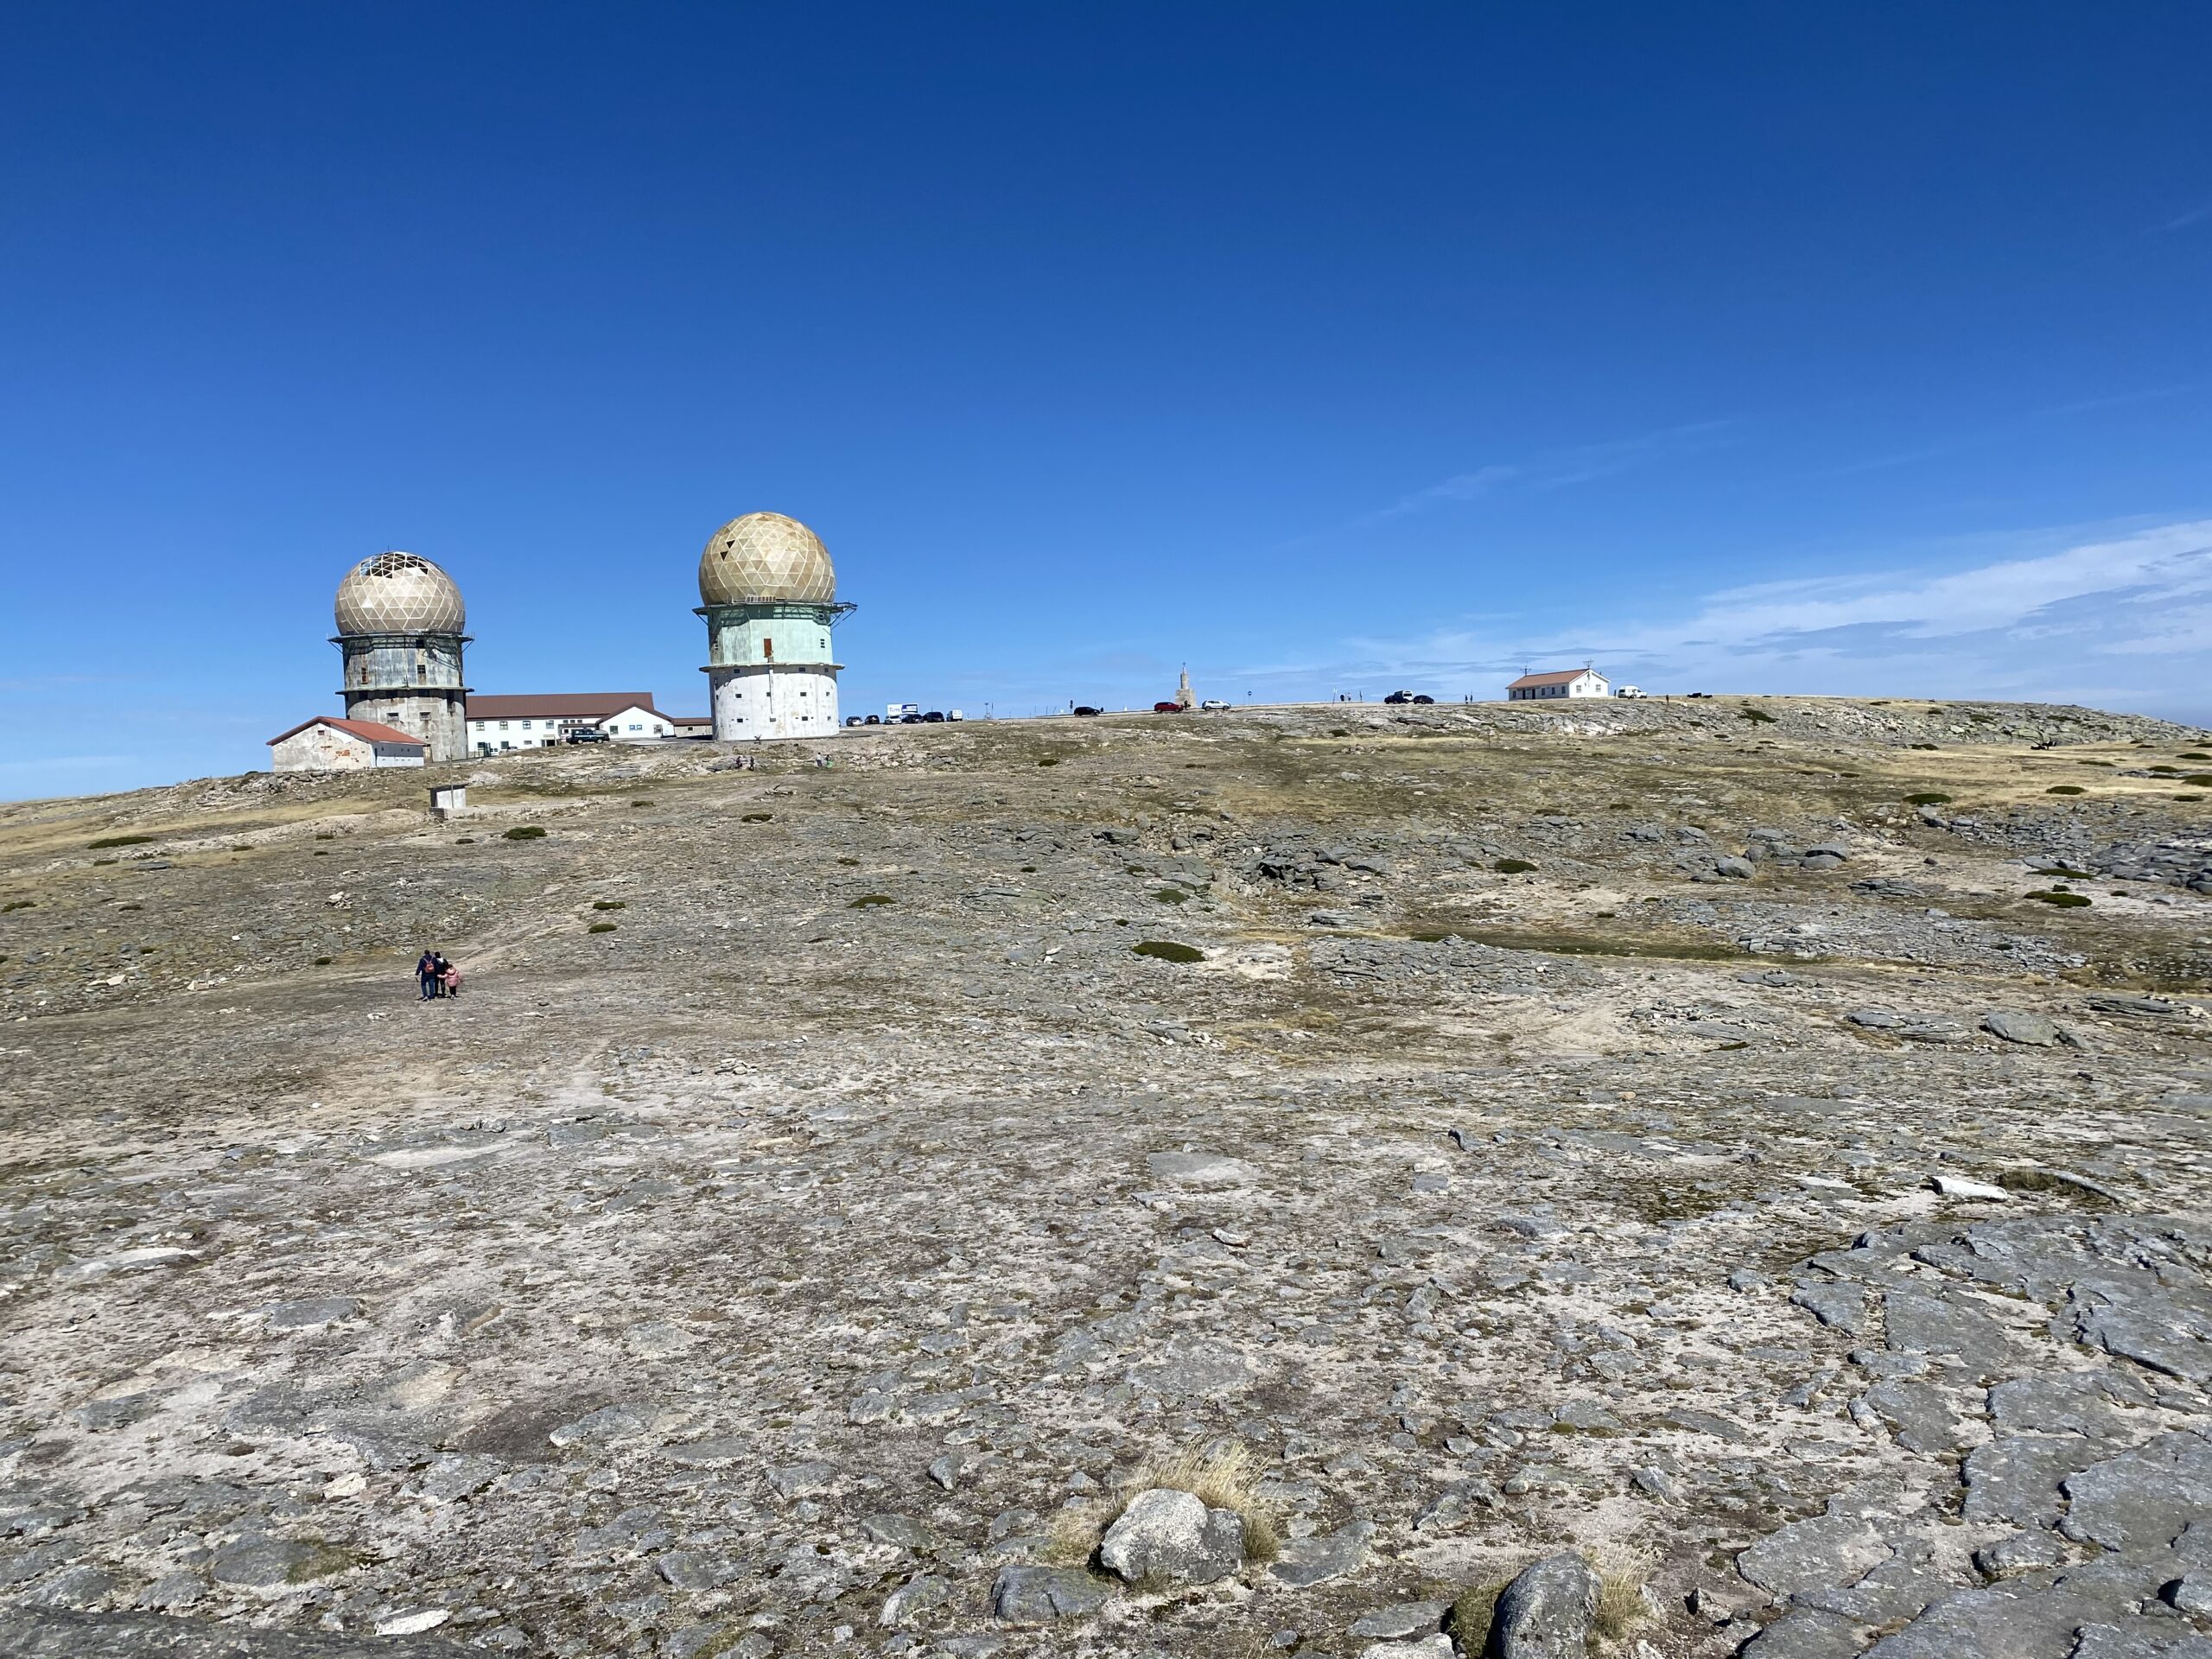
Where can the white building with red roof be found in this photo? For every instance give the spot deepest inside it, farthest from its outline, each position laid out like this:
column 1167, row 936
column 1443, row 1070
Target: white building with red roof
column 1585, row 681
column 327, row 743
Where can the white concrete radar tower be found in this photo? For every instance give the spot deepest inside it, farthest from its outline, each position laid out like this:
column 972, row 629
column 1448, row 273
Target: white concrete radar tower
column 400, row 630
column 770, row 598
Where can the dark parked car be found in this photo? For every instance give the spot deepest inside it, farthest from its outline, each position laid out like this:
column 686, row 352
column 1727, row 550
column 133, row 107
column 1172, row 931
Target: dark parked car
column 585, row 734
column 1399, row 696
column 1085, row 709
column 910, row 720
column 872, row 720
column 935, row 717
column 1425, row 697
column 1166, row 708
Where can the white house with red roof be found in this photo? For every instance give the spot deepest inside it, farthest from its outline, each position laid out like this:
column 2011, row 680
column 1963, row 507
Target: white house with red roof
column 327, row 743
column 1585, row 681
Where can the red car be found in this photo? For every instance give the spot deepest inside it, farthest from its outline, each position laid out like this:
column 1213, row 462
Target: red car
column 1166, row 708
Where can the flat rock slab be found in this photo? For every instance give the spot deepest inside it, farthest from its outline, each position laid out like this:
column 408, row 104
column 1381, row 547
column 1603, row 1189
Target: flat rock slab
column 1814, row 1554
column 41, row 1634
column 1313, row 1561
column 1407, row 1618
column 1205, row 1171
column 1039, row 1595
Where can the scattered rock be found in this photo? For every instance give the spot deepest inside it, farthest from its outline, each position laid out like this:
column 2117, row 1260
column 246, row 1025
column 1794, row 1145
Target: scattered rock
column 1171, row 1537
column 1547, row 1612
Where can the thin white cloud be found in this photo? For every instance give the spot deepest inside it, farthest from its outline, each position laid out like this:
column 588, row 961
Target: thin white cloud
column 2122, row 617
column 1557, row 468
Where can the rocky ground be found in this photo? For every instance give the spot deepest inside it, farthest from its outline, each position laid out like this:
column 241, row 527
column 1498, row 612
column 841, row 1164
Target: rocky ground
column 1759, row 1146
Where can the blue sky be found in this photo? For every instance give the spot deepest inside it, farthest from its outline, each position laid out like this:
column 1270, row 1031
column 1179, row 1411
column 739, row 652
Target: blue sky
column 1737, row 347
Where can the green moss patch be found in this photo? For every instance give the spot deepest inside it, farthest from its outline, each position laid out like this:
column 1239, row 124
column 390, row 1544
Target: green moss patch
column 1759, row 716
column 118, row 840
column 600, row 927
column 1512, row 865
column 610, row 904
column 1171, row 896
column 870, row 900
column 1167, row 951
column 1599, row 945
column 2066, row 789
column 526, row 832
column 1929, row 797
column 2061, row 898
column 755, row 817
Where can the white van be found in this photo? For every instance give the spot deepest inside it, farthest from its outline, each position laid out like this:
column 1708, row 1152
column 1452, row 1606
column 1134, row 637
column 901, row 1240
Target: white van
column 1628, row 690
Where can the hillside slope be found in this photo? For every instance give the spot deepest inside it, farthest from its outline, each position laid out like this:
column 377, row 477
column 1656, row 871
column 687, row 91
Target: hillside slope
column 1760, row 1142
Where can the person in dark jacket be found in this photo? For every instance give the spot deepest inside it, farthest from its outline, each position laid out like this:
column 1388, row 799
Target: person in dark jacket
column 426, row 973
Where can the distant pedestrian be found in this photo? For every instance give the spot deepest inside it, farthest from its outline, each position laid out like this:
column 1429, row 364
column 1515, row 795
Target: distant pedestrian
column 438, row 966
column 426, row 975
column 451, row 979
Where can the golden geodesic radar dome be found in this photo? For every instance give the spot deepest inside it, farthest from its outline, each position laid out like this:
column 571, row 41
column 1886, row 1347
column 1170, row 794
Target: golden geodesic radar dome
column 399, row 593
column 765, row 557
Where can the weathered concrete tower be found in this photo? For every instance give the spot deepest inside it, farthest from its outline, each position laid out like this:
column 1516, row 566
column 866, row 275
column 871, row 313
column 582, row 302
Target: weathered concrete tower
column 770, row 598
column 399, row 629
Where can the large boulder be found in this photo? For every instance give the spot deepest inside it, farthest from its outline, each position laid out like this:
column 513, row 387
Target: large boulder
column 1547, row 1612
column 1170, row 1536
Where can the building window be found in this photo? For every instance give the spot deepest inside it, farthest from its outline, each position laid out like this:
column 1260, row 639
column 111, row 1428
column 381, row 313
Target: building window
column 503, row 726
column 767, row 650
column 525, row 725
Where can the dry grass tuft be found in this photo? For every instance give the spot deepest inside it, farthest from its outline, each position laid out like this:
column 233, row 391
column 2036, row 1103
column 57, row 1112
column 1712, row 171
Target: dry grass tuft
column 1469, row 1619
column 1621, row 1605
column 1072, row 1534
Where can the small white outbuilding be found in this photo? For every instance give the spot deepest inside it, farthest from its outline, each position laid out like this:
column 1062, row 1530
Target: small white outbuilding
column 329, row 744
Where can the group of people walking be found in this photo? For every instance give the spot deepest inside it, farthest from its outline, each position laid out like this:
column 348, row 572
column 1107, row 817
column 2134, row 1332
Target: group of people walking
column 437, row 977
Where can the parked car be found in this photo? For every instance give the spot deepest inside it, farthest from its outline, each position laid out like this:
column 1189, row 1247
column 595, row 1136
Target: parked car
column 1167, row 708
column 872, row 720
column 1701, row 694
column 1212, row 705
column 910, row 720
column 1628, row 690
column 1399, row 696
column 1085, row 708
column 1424, row 698
column 935, row 717
column 852, row 720
column 954, row 714
column 585, row 734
